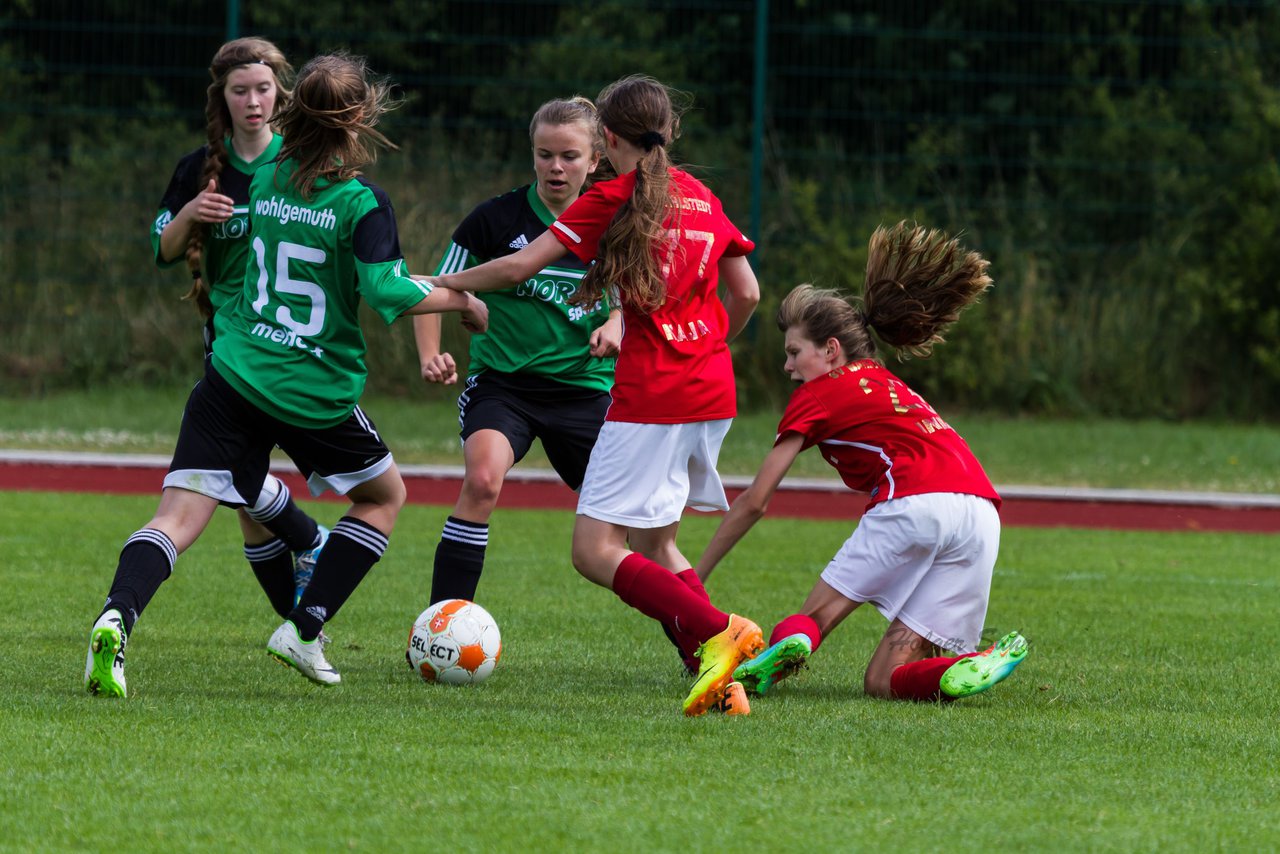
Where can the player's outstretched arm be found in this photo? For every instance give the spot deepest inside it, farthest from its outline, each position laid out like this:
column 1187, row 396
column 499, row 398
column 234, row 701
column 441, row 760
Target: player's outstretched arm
column 742, row 292
column 475, row 314
column 749, row 507
column 507, row 271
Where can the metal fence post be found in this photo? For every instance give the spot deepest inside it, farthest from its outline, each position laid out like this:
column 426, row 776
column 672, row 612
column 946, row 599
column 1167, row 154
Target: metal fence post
column 757, row 125
column 233, row 19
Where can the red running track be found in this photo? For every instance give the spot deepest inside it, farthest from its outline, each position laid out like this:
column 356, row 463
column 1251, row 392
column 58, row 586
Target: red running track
column 1117, row 510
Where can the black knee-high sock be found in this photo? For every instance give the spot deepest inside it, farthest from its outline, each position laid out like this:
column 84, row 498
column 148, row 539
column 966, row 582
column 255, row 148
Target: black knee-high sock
column 273, row 567
column 459, row 560
column 353, row 548
column 276, row 511
column 145, row 562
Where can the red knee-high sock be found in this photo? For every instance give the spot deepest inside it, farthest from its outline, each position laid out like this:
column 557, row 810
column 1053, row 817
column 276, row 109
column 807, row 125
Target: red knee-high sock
column 797, row 624
column 685, row 642
column 921, row 680
column 693, row 582
column 655, row 592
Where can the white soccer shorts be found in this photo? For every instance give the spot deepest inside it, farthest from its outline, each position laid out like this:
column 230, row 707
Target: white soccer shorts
column 644, row 475
column 926, row 560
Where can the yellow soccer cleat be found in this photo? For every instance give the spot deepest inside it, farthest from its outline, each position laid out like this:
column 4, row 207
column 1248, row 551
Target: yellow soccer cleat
column 735, row 700
column 717, row 659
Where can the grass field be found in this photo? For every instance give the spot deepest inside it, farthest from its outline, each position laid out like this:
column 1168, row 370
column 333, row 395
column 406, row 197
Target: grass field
column 1143, row 720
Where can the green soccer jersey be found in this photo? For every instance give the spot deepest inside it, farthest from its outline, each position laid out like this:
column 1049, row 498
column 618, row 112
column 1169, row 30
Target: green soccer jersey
column 532, row 327
column 226, row 245
column 290, row 341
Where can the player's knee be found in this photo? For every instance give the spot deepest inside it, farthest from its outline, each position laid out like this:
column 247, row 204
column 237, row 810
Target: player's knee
column 587, row 562
column 579, row 557
column 482, row 487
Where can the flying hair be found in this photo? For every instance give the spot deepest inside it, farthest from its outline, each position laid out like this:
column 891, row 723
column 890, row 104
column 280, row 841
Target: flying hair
column 232, row 55
column 330, row 125
column 918, row 282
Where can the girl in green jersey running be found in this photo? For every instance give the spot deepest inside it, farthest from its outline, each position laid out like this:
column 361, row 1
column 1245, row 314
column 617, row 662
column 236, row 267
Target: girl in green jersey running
column 544, row 368
column 203, row 218
column 287, row 370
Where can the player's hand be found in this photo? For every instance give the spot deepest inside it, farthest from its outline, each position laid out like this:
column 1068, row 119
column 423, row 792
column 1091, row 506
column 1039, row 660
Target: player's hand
column 606, row 341
column 440, row 369
column 210, row 205
column 475, row 317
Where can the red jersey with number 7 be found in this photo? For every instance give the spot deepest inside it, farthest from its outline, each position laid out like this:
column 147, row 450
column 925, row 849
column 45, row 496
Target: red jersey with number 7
column 882, row 437
column 674, row 365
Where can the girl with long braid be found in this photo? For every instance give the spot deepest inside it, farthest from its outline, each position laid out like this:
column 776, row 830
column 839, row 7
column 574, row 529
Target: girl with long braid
column 204, row 220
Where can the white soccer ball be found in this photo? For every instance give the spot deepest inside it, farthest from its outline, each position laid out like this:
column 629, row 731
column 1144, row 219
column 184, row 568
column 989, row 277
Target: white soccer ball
column 456, row 642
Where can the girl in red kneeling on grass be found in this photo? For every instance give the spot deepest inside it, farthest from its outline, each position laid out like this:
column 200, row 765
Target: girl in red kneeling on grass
column 924, row 551
column 661, row 238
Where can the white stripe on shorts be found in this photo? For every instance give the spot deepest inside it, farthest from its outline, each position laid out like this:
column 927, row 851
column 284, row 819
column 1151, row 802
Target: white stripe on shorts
column 364, row 422
column 215, row 483
column 347, row 481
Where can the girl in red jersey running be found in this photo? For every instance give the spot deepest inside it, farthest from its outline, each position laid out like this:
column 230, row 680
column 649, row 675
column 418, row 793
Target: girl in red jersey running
column 924, row 551
column 662, row 239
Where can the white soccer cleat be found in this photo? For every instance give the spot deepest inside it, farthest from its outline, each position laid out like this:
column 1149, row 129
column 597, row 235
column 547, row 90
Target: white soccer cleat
column 306, row 657
column 104, row 665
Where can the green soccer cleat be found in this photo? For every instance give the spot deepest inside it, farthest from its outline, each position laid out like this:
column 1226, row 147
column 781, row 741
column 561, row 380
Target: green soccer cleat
column 104, row 665
column 774, row 664
column 977, row 673
column 717, row 659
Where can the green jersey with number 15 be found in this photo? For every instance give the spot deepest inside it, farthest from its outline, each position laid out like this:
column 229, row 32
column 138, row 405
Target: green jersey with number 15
column 290, row 341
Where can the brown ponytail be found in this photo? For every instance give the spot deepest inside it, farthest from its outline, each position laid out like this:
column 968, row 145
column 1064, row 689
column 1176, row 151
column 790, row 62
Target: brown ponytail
column 918, row 281
column 635, row 248
column 329, row 126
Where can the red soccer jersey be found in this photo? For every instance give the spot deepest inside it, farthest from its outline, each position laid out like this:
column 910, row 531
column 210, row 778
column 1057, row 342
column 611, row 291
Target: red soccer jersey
column 674, row 366
column 881, row 436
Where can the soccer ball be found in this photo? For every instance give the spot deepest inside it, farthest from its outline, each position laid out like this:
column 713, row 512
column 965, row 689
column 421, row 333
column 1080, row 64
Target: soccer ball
column 456, row 642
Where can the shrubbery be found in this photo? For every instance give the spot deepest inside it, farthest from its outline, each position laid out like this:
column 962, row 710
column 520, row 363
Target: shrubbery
column 1116, row 162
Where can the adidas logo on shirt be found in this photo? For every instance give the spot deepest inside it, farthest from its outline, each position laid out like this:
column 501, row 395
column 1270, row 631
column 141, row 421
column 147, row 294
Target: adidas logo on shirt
column 519, row 243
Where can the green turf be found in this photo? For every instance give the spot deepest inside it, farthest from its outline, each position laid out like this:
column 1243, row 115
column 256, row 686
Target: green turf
column 1022, row 451
column 1144, row 718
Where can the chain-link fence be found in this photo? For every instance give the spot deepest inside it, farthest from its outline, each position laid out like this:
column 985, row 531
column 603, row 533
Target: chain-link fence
column 1116, row 160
